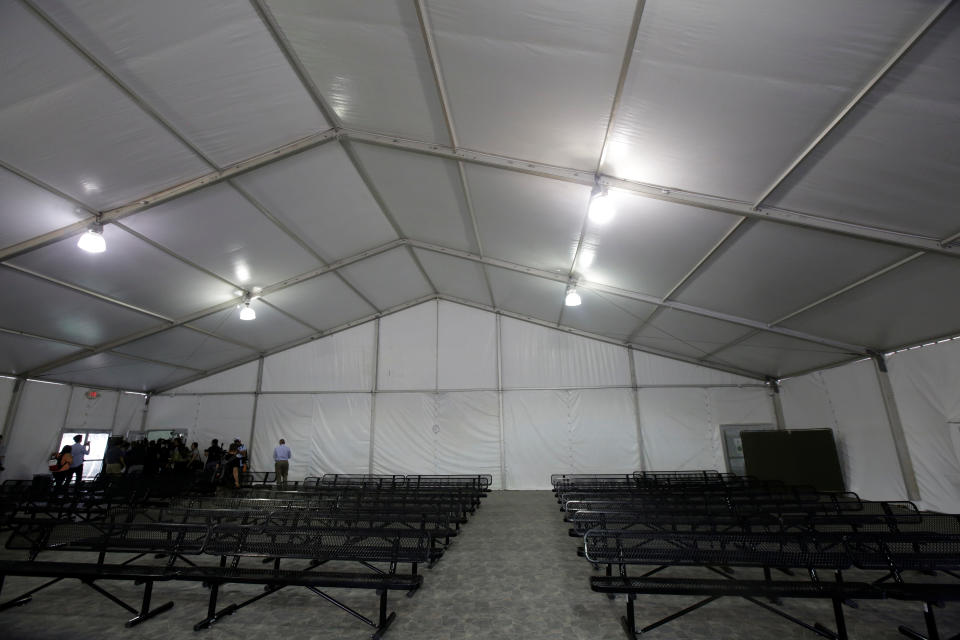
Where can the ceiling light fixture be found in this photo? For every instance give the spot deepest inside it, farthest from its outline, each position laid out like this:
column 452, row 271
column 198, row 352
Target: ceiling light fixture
column 246, row 311
column 92, row 239
column 601, row 209
column 573, row 298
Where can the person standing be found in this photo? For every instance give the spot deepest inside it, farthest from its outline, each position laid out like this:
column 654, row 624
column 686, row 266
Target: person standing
column 281, row 463
column 231, row 469
column 60, row 466
column 78, row 450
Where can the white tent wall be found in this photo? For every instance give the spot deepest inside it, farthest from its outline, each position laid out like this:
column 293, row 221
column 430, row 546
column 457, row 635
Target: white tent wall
column 847, row 399
column 441, row 388
column 35, row 431
column 925, row 383
column 210, row 416
column 326, row 433
column 129, row 415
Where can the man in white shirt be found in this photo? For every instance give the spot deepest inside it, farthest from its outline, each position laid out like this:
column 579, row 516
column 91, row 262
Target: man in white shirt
column 281, row 463
column 78, row 450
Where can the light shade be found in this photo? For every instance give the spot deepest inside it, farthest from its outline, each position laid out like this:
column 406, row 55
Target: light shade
column 246, row 313
column 92, row 240
column 573, row 298
column 601, row 209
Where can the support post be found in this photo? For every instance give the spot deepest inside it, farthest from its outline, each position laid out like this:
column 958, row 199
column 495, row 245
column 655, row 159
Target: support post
column 636, row 408
column 253, row 418
column 373, row 393
column 11, row 416
column 777, row 403
column 503, row 461
column 896, row 427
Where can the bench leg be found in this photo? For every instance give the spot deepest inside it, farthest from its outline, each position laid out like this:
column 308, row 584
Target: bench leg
column 145, row 612
column 629, row 622
column 211, row 609
column 677, row 614
column 385, row 620
column 24, row 598
column 932, row 632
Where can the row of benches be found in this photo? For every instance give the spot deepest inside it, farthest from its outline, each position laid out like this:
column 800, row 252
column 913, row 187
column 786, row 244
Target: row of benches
column 705, row 524
column 296, row 534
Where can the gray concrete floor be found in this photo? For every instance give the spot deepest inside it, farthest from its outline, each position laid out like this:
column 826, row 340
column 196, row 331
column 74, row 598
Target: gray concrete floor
column 512, row 573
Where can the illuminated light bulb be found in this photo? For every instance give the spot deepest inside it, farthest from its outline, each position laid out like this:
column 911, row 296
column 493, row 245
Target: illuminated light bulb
column 601, row 209
column 573, row 298
column 246, row 313
column 92, row 240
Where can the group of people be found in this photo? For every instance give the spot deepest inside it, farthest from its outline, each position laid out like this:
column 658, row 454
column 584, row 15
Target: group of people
column 149, row 457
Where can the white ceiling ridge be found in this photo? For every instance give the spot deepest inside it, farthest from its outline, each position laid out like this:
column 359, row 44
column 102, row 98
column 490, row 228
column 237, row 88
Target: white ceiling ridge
column 641, row 297
column 601, row 338
column 855, row 100
column 708, row 202
column 426, row 31
column 295, row 343
column 186, row 320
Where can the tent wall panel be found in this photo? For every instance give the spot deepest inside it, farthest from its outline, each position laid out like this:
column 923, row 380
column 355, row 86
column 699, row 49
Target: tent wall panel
column 206, row 417
column 6, row 396
column 408, row 349
column 129, row 413
column 326, row 433
column 657, row 370
column 567, row 431
column 847, row 399
column 925, row 384
column 91, row 413
column 678, row 430
column 341, row 362
column 437, row 433
column 467, row 354
column 537, row 357
column 36, row 429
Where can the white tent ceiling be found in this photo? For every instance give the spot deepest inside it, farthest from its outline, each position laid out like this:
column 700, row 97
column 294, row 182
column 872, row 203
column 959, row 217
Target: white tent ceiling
column 785, row 176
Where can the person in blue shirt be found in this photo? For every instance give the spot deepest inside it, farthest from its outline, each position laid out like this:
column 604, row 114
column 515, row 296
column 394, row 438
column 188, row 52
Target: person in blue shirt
column 281, row 460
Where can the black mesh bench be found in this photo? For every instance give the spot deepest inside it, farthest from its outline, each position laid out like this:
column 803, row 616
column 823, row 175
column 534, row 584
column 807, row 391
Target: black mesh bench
column 174, row 541
column 318, row 545
column 711, row 550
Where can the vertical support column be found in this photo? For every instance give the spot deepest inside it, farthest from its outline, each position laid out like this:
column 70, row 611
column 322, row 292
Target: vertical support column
column 636, row 407
column 896, row 428
column 373, row 392
column 116, row 411
column 12, row 408
column 503, row 460
column 256, row 402
column 777, row 403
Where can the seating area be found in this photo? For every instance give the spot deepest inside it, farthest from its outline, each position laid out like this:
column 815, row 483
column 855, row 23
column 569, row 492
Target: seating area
column 743, row 532
column 327, row 534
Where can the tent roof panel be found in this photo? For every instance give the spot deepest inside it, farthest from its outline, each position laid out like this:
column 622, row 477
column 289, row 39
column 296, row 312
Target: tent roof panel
column 700, row 332
column 321, row 198
column 182, row 346
column 527, row 219
column 324, row 302
column 770, row 270
column 114, row 370
column 237, row 73
column 607, row 315
column 720, row 98
column 779, row 355
column 184, row 289
column 534, row 79
column 527, row 295
column 270, row 329
column 28, row 211
column 52, row 311
column 454, row 276
column 893, row 162
column 359, row 52
column 650, row 244
column 70, row 127
column 220, row 230
column 388, row 279
column 423, row 194
column 19, row 354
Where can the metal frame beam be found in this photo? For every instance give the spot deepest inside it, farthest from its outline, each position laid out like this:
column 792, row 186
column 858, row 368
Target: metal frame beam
column 854, row 101
column 423, row 17
column 654, row 300
column 611, row 120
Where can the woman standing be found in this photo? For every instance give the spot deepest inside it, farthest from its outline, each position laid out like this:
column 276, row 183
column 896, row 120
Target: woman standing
column 61, row 466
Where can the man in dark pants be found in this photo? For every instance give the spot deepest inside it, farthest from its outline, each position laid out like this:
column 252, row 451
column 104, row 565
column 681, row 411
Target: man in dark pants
column 78, row 450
